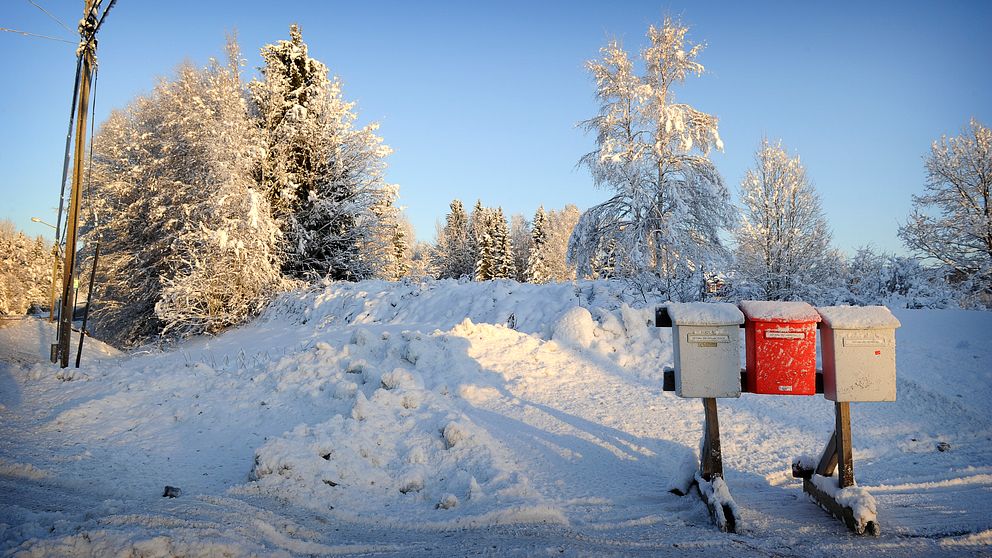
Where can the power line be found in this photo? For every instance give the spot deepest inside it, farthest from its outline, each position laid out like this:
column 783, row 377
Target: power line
column 104, row 16
column 49, row 14
column 26, row 34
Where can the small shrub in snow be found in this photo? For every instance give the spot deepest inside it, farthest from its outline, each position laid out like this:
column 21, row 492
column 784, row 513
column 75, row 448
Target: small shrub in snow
column 447, row 502
column 455, row 434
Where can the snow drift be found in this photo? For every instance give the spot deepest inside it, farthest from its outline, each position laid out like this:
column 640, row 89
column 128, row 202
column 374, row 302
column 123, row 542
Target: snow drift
column 458, row 418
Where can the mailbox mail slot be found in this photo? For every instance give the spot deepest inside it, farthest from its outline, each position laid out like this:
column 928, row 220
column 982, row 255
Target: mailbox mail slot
column 859, row 353
column 707, row 349
column 781, row 347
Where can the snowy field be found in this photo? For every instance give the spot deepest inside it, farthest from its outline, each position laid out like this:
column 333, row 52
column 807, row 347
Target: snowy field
column 449, row 419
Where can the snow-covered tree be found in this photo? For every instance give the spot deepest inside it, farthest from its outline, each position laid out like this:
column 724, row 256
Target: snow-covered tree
column 537, row 267
column 783, row 242
column 485, row 263
column 421, row 253
column 951, row 222
column 25, row 271
column 323, row 176
column 561, row 223
column 669, row 202
column 477, row 225
column 399, row 248
column 520, row 244
column 503, row 264
column 187, row 244
column 896, row 281
column 491, row 235
column 452, row 257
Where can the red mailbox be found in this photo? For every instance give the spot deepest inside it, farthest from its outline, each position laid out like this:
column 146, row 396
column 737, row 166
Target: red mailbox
column 781, row 347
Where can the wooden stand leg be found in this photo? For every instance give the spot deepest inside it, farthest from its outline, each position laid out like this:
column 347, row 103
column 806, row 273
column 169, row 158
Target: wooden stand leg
column 837, row 455
column 710, row 485
column 842, row 440
column 711, row 460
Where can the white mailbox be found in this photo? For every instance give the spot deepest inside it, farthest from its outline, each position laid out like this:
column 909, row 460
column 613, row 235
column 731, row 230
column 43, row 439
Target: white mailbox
column 859, row 353
column 707, row 349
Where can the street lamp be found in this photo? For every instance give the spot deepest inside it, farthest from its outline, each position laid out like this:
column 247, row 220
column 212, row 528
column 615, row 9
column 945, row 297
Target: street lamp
column 55, row 270
column 39, row 220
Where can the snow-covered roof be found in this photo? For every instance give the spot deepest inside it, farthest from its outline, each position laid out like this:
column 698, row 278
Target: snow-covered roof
column 858, row 317
column 778, row 311
column 704, row 313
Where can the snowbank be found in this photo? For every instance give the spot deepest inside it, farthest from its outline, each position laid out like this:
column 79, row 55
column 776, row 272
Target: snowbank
column 448, row 418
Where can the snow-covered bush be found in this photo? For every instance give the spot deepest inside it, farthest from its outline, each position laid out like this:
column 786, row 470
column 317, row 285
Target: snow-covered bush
column 897, row 281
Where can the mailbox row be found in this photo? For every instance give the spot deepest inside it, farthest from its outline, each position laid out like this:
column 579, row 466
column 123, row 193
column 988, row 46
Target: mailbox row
column 857, row 344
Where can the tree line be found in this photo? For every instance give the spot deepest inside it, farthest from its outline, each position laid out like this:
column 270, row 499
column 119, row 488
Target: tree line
column 670, row 211
column 210, row 194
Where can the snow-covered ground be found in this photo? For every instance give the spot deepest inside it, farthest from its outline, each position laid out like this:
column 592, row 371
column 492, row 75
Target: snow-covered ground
column 449, row 418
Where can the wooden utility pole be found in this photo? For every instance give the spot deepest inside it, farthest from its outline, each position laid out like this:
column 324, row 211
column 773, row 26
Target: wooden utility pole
column 87, row 45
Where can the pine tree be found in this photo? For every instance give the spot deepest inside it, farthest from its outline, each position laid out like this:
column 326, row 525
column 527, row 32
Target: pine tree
column 323, row 177
column 783, row 243
column 485, row 226
column 503, row 266
column 452, row 257
column 477, row 226
column 670, row 203
column 25, row 271
column 537, row 267
column 520, row 245
column 401, row 264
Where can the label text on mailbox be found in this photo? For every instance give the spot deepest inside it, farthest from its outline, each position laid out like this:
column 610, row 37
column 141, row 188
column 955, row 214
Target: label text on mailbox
column 708, row 338
column 785, row 334
column 864, row 342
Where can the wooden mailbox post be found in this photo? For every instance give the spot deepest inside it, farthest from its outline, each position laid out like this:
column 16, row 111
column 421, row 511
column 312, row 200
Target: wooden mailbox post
column 818, row 481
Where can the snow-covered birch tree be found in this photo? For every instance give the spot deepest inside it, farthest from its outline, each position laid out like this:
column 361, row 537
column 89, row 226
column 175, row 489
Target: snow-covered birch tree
column 951, row 221
column 188, row 245
column 783, row 242
column 561, row 223
column 669, row 203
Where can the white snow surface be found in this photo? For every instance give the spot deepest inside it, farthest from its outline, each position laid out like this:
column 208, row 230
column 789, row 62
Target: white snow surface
column 858, row 317
column 448, row 418
column 778, row 311
column 704, row 313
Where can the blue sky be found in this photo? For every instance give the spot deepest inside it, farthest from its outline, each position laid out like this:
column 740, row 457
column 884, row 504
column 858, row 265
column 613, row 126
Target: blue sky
column 481, row 99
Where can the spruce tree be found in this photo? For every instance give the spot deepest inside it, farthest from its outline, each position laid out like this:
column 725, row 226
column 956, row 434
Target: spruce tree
column 323, row 177
column 503, row 266
column 484, row 238
column 537, row 269
column 452, row 257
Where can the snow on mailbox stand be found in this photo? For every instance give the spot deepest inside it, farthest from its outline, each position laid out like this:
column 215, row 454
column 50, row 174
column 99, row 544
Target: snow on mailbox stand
column 707, row 349
column 859, row 353
column 781, row 347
